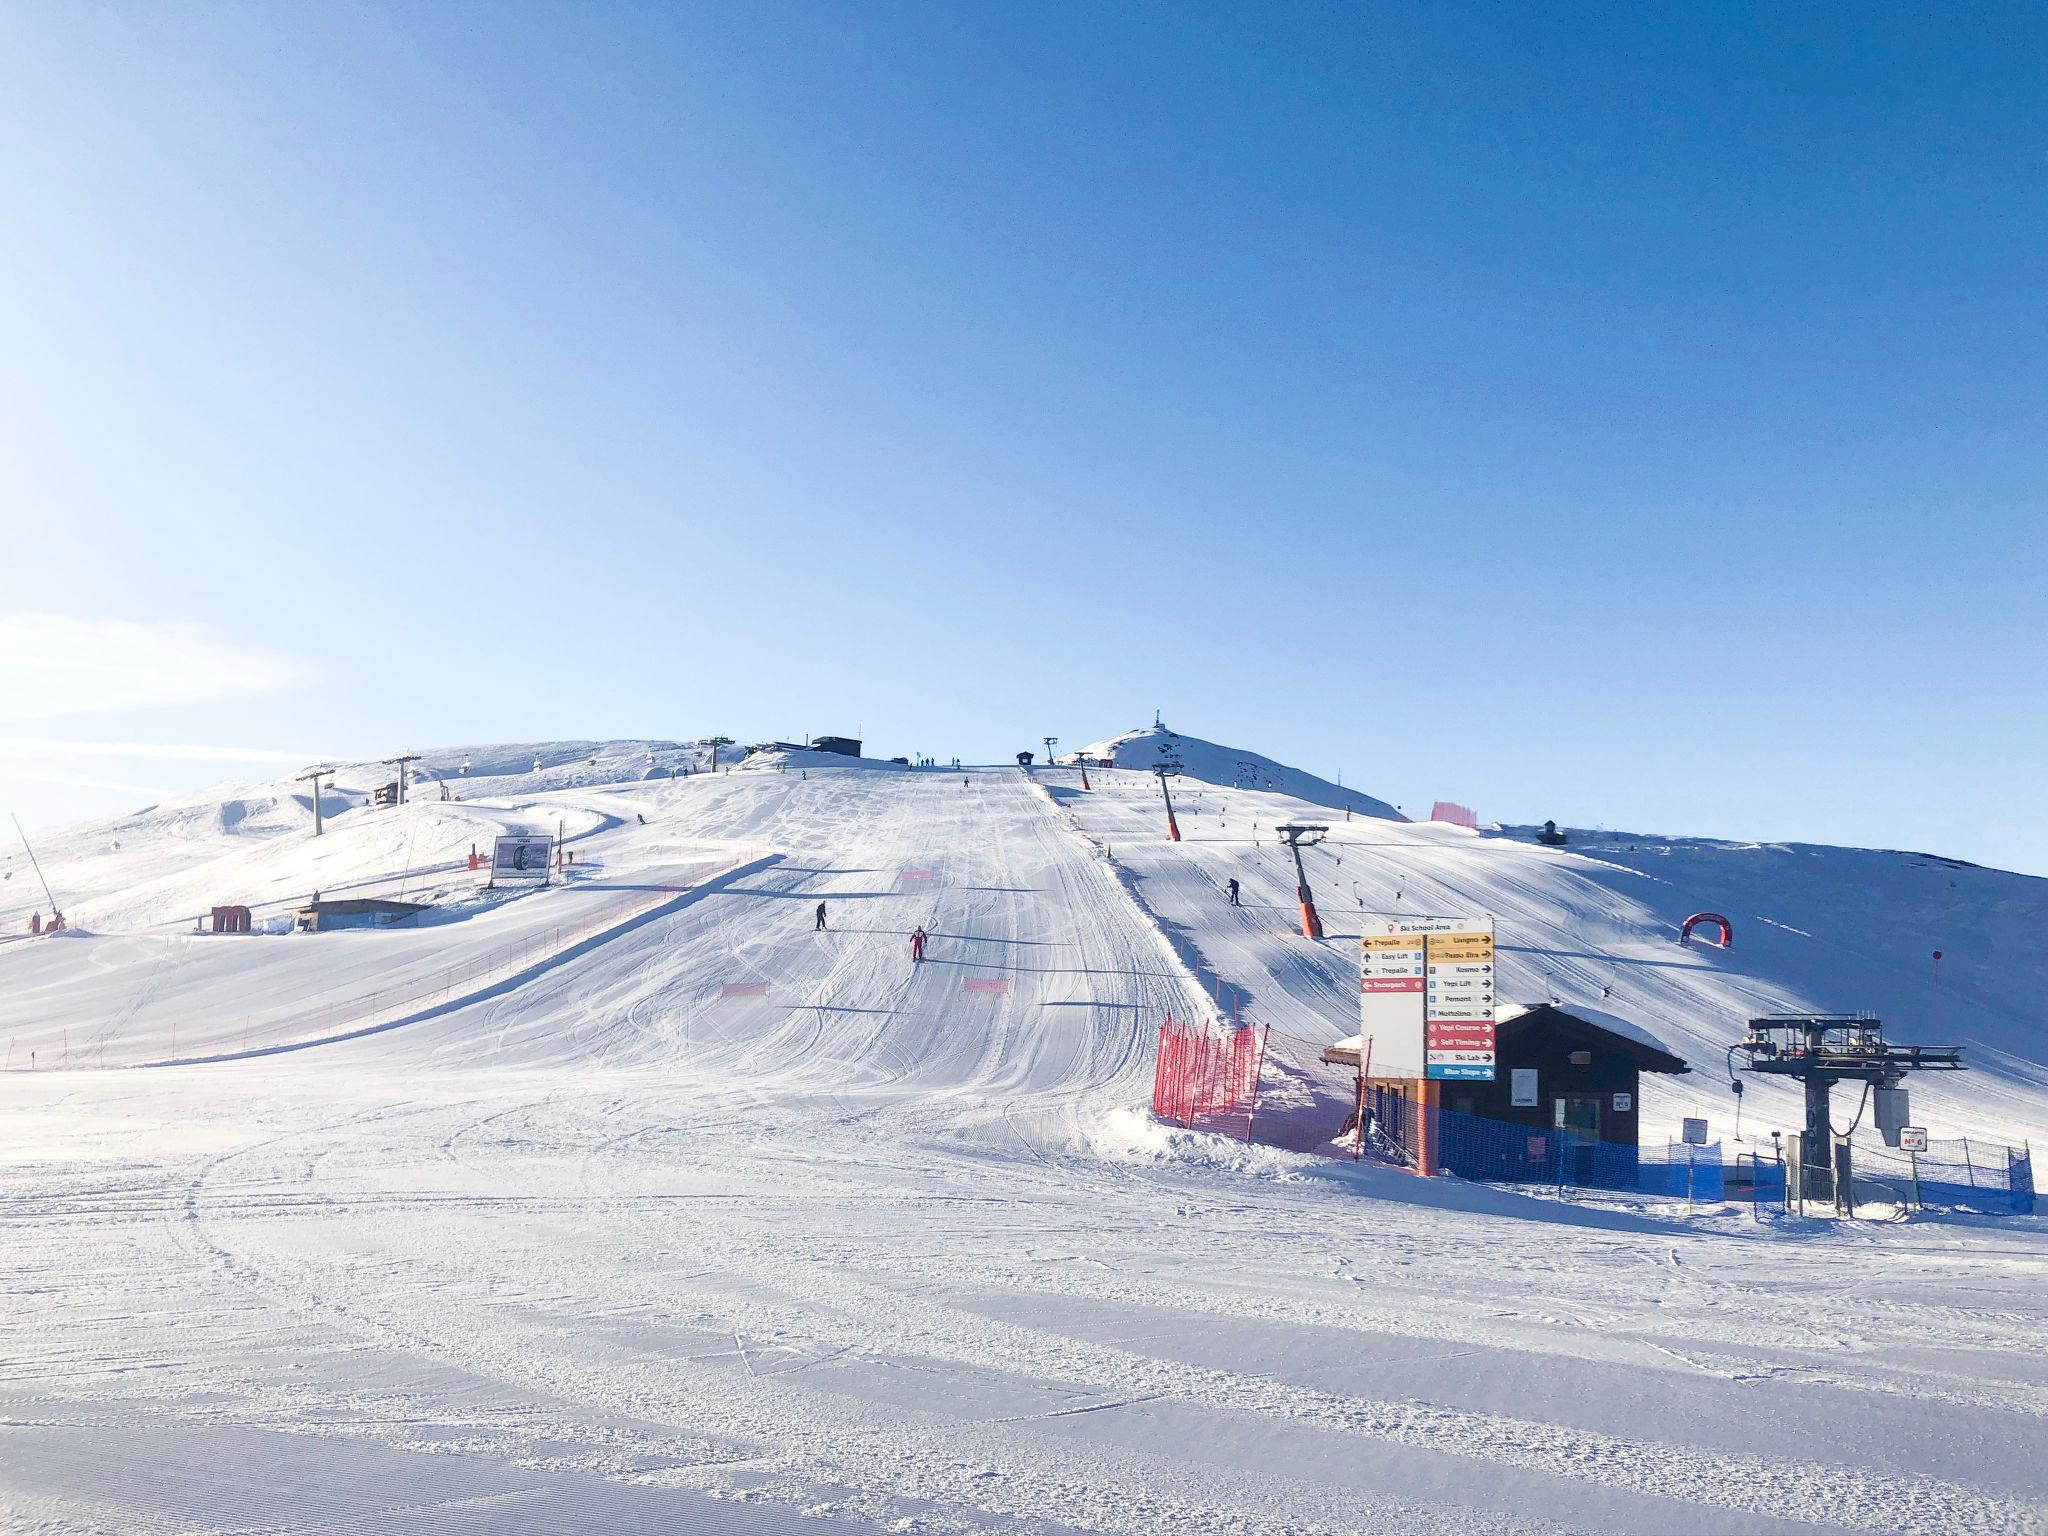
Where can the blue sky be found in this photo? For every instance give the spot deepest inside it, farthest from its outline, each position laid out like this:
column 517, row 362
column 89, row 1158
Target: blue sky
column 1629, row 418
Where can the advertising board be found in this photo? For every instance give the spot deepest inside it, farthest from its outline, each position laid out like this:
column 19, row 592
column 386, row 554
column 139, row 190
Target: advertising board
column 521, row 856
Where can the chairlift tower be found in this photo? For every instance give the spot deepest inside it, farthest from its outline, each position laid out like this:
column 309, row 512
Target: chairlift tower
column 402, row 762
column 315, row 775
column 1050, row 743
column 1298, row 836
column 1166, row 770
column 1821, row 1050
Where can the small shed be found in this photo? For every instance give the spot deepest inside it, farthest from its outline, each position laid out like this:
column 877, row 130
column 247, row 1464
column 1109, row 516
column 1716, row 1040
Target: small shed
column 356, row 912
column 1576, row 1070
column 845, row 746
column 230, row 919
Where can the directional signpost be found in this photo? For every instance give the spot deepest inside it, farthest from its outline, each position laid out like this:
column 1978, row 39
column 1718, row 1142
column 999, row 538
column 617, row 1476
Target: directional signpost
column 1426, row 997
column 1458, row 1035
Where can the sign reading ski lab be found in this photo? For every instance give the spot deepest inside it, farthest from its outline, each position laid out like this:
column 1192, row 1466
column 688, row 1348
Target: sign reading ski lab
column 1425, row 996
column 521, row 856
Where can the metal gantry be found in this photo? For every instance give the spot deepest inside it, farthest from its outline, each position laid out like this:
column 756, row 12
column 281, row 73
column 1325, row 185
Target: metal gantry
column 1821, row 1050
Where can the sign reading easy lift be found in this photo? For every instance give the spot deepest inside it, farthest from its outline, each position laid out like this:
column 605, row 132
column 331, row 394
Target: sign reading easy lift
column 522, row 856
column 1426, row 997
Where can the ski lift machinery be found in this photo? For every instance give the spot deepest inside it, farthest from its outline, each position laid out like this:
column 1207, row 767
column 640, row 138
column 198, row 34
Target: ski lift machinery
column 1821, row 1050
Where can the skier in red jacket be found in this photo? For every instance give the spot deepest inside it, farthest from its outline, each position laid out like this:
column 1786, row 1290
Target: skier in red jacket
column 917, row 946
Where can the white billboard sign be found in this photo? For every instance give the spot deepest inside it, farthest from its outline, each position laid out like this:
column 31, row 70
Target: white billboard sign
column 522, row 856
column 1426, row 997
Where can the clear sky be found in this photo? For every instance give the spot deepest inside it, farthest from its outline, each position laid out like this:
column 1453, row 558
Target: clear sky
column 1628, row 415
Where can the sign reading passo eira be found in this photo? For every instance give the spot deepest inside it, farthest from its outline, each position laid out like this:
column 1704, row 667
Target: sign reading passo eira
column 1426, row 997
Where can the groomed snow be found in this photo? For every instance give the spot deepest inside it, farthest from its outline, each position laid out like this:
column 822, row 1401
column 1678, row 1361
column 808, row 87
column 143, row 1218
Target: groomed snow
column 708, row 1216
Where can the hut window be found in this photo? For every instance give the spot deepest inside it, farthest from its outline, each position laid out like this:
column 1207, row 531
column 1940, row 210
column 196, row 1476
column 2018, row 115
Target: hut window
column 1582, row 1058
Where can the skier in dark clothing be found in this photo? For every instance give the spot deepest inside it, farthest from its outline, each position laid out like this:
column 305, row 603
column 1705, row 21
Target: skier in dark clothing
column 821, row 919
column 917, row 945
column 1233, row 894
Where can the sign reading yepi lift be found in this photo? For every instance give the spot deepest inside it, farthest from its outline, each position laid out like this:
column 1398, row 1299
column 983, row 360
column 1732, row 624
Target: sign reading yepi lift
column 1822, row 1049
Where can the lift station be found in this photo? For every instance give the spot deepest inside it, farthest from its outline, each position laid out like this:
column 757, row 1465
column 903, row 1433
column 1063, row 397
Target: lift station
column 1821, row 1050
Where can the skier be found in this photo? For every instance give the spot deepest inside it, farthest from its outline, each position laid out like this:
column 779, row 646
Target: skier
column 1233, row 894
column 917, row 945
column 821, row 919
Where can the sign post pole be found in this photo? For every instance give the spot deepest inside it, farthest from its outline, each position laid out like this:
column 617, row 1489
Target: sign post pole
column 1913, row 1138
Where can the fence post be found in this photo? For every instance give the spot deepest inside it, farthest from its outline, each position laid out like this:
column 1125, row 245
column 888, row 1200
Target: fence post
column 1258, row 1071
column 1969, row 1167
column 1913, row 1173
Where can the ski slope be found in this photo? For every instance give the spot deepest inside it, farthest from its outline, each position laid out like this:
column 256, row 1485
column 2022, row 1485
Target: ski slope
column 705, row 1219
column 1596, row 924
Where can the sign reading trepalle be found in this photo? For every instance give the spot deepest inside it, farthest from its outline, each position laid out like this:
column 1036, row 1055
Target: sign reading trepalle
column 1425, row 996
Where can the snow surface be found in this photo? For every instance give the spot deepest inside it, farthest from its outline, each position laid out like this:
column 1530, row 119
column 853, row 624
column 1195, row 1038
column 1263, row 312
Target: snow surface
column 1150, row 747
column 574, row 1240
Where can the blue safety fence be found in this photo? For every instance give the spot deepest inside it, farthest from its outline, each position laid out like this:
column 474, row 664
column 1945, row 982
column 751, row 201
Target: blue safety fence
column 1304, row 1102
column 1500, row 1152
column 1961, row 1175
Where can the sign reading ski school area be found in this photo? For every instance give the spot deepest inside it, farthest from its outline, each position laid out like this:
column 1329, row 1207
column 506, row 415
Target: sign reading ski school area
column 1425, row 997
column 522, row 856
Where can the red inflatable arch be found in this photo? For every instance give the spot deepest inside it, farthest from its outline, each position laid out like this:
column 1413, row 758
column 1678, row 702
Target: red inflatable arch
column 1727, row 939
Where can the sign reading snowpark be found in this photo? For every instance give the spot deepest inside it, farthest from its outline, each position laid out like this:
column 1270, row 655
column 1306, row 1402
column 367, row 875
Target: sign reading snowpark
column 521, row 856
column 1425, row 996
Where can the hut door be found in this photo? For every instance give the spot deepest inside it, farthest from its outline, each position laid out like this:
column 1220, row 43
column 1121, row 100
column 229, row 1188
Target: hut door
column 1578, row 1116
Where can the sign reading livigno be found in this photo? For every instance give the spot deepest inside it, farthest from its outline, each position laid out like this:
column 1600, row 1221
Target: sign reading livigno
column 1425, row 996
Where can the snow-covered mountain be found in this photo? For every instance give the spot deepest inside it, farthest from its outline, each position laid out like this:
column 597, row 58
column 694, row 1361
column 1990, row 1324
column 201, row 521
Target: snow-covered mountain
column 1152, row 747
column 675, row 1187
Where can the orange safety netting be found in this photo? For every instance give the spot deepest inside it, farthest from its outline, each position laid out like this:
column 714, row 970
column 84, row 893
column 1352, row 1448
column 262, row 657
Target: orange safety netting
column 1204, row 1072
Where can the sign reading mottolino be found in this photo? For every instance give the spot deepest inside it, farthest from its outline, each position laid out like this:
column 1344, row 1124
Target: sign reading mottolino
column 521, row 856
column 1425, row 997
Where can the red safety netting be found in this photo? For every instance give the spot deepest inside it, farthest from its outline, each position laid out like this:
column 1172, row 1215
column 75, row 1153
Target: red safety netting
column 1205, row 1075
